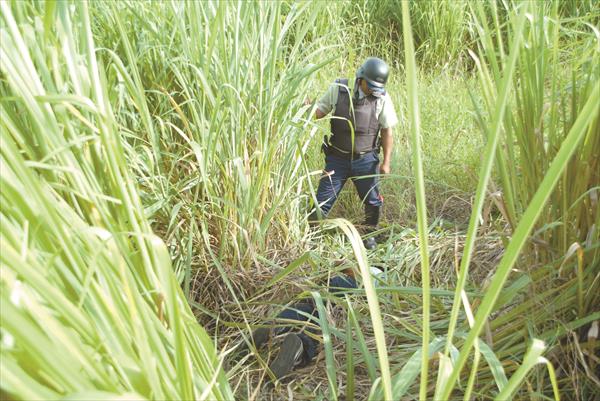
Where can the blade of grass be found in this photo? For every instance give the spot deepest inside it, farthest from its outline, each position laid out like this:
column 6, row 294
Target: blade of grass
column 372, row 299
column 330, row 362
column 370, row 361
column 349, row 359
column 415, row 128
column 532, row 357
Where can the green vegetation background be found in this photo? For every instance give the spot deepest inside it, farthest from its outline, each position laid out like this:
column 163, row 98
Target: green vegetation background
column 142, row 138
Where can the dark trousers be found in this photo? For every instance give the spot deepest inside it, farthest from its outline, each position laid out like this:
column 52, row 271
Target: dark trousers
column 306, row 310
column 363, row 173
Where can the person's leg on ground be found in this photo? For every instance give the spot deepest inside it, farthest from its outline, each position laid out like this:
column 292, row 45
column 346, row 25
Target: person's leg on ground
column 338, row 284
column 297, row 348
column 302, row 311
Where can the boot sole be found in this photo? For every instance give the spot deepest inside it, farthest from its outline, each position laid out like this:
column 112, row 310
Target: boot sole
column 288, row 353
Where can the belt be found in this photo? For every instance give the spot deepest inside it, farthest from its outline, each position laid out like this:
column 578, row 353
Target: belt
column 332, row 150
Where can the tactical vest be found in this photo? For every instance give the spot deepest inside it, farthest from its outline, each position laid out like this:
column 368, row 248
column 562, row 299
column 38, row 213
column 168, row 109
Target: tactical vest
column 363, row 118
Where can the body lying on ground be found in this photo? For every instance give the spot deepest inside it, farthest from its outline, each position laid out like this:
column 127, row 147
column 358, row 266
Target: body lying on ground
column 299, row 345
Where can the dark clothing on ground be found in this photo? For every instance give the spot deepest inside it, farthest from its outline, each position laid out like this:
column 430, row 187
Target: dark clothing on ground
column 306, row 310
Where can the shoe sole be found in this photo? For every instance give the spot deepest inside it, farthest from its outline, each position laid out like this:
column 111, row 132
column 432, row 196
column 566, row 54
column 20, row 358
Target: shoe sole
column 290, row 350
column 260, row 336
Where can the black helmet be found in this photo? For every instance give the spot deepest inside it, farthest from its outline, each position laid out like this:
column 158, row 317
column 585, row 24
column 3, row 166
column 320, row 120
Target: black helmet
column 375, row 71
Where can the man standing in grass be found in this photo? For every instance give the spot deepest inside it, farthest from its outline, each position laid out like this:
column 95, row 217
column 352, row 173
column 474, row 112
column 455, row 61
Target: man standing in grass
column 361, row 124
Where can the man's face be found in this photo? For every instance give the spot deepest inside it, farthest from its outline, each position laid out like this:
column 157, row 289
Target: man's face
column 367, row 90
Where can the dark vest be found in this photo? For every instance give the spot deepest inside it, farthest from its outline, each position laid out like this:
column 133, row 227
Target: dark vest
column 363, row 118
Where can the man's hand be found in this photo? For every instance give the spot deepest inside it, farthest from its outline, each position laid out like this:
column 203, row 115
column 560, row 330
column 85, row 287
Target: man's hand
column 384, row 168
column 318, row 113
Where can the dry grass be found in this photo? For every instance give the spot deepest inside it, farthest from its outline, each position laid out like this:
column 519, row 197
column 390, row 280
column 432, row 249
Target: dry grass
column 399, row 255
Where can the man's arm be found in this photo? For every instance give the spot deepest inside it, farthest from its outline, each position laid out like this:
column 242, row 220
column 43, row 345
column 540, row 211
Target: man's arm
column 318, row 113
column 326, row 103
column 387, row 143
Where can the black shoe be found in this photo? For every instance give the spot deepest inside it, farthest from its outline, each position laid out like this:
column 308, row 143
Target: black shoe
column 370, row 243
column 372, row 214
column 316, row 217
column 260, row 336
column 289, row 355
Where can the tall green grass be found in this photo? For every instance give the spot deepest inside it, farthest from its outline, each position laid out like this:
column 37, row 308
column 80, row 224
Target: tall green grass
column 223, row 138
column 184, row 119
column 440, row 30
column 415, row 134
column 529, row 29
column 90, row 305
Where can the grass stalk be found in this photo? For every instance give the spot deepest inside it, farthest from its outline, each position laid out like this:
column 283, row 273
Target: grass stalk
column 330, row 362
column 413, row 110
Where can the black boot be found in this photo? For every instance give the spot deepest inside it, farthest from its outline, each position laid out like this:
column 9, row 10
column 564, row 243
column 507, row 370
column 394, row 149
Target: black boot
column 316, row 216
column 371, row 221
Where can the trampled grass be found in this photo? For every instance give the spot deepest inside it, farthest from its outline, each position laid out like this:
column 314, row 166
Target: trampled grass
column 157, row 165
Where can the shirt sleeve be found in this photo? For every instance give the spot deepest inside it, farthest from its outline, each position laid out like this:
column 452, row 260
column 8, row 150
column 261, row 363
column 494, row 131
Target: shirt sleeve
column 327, row 102
column 388, row 117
